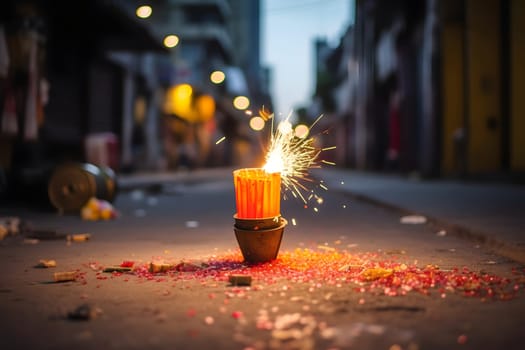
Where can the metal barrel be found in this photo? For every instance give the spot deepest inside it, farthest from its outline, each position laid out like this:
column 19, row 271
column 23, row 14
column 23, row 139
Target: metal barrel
column 71, row 185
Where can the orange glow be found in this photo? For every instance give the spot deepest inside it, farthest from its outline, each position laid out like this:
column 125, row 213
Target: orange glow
column 241, row 102
column 178, row 100
column 143, row 11
column 171, row 40
column 257, row 123
column 217, row 77
column 257, row 193
column 205, row 107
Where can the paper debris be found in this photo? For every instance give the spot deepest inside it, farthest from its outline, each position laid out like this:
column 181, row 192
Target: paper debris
column 240, row 280
column 156, row 267
column 46, row 263
column 65, row 276
column 187, row 267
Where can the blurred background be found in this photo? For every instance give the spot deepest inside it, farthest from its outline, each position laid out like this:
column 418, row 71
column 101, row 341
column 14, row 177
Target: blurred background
column 429, row 88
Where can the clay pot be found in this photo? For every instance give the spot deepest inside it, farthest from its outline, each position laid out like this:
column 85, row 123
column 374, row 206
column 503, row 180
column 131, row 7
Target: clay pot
column 257, row 224
column 259, row 239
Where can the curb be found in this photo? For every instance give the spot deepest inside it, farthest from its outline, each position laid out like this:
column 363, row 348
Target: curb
column 499, row 247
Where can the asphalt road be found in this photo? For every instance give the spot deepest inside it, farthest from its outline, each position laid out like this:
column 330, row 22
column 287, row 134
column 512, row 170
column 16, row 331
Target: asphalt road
column 299, row 302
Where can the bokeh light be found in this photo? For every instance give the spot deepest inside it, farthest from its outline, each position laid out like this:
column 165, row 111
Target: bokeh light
column 257, row 123
column 171, row 40
column 217, row 77
column 143, row 11
column 241, row 102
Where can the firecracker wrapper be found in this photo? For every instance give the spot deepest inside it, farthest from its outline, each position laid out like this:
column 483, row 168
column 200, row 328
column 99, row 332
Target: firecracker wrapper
column 65, row 276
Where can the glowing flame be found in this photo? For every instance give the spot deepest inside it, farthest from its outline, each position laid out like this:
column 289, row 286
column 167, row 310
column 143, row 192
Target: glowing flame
column 274, row 162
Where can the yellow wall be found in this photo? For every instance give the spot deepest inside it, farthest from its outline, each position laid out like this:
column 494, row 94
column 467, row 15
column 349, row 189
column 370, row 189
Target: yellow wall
column 453, row 96
column 517, row 88
column 483, row 84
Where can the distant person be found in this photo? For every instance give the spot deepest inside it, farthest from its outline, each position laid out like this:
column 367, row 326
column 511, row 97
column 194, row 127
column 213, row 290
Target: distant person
column 394, row 131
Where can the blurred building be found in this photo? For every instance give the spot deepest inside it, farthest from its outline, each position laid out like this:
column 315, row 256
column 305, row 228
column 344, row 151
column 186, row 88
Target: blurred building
column 62, row 82
column 213, row 35
column 432, row 87
column 89, row 81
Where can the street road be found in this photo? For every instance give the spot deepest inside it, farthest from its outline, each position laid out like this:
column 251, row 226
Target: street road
column 335, row 292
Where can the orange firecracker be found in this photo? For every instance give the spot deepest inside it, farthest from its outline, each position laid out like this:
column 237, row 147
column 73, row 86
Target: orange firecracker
column 257, row 193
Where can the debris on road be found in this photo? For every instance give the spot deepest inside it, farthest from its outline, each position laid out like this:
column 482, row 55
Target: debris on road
column 375, row 273
column 240, row 280
column 187, row 267
column 65, row 276
column 84, row 312
column 117, row 269
column 46, row 263
column 98, row 209
column 368, row 272
column 157, row 267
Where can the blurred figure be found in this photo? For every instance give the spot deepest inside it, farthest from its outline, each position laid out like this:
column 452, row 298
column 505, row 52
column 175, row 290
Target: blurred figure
column 179, row 143
column 394, row 131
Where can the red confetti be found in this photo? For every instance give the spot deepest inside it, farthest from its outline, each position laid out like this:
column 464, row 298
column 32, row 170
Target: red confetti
column 365, row 272
column 237, row 314
column 127, row 263
column 191, row 313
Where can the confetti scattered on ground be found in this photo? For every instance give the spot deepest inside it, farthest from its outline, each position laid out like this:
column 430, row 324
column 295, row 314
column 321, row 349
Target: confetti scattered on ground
column 364, row 272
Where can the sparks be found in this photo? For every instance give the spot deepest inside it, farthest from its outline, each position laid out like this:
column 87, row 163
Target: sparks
column 327, row 162
column 220, row 140
column 265, row 114
column 293, row 156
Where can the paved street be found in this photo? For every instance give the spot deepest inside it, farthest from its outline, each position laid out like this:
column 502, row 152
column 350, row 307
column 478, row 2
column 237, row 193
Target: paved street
column 350, row 275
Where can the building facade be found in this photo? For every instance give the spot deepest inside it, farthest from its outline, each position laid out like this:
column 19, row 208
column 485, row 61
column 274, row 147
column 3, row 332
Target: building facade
column 433, row 87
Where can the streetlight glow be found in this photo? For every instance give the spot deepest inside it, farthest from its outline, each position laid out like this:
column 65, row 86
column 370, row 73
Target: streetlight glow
column 171, row 40
column 217, row 77
column 143, row 11
column 241, row 102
